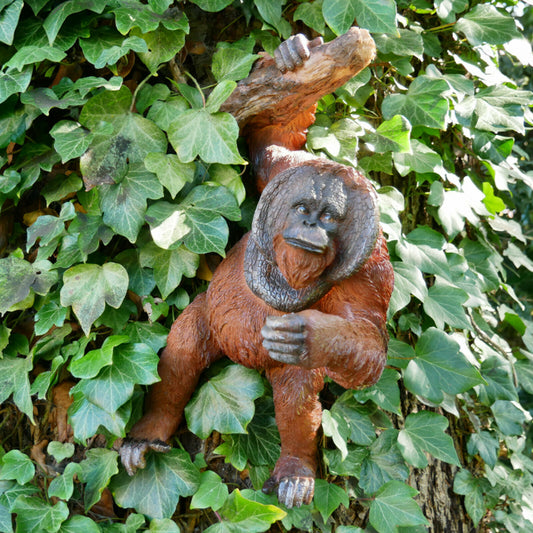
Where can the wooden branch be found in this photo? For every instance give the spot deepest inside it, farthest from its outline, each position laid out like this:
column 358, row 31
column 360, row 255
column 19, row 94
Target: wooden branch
column 278, row 98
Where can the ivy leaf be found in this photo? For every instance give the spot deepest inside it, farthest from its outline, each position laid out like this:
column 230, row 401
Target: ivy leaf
column 57, row 17
column 260, row 443
column 311, row 15
column 403, row 43
column 384, row 393
column 169, row 265
column 212, row 136
column 212, row 6
column 246, row 515
column 170, row 171
column 34, row 514
column 377, row 16
column 339, row 14
column 444, row 304
column 328, row 497
column 9, row 17
column 383, row 463
column 113, row 387
column 219, row 405
column 60, row 450
column 422, row 105
column 499, row 385
column 439, row 367
column 12, row 82
column 132, row 13
column 211, row 493
column 232, row 63
column 508, row 417
column 394, row 506
column 87, row 288
column 486, row 445
column 124, row 203
column 156, row 489
column 485, row 24
column 163, row 44
column 424, row 431
column 71, row 140
column 18, row 466
column 473, row 489
column 79, row 524
column 336, row 427
column 14, row 380
column 356, row 416
column 408, row 280
column 391, row 136
column 63, row 486
column 133, row 138
column 34, row 54
column 97, row 469
column 420, row 158
column 86, row 418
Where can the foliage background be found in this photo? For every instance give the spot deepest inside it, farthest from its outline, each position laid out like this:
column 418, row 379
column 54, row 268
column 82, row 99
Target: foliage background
column 118, row 178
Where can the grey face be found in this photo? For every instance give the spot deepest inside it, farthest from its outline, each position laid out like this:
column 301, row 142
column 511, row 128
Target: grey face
column 316, row 213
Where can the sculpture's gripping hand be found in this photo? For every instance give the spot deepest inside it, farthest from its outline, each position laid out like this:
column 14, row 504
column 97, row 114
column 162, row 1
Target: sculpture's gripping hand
column 285, row 339
column 132, row 452
column 292, row 53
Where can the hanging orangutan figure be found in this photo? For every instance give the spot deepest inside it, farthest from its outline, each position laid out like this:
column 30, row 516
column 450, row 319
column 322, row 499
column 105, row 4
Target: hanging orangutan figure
column 305, row 293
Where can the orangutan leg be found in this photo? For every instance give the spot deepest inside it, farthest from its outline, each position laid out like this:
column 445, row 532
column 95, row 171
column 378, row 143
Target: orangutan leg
column 189, row 351
column 298, row 417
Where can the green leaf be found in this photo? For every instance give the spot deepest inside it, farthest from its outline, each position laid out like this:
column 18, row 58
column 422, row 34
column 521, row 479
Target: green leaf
column 211, row 493
column 439, row 367
column 377, row 16
column 356, row 416
column 509, row 417
column 403, row 43
column 384, row 393
column 165, row 525
column 113, row 387
column 61, row 187
column 132, row 13
column 34, row 54
column 486, row 445
column 485, row 24
column 339, row 14
column 88, row 365
column 18, row 466
column 86, row 418
column 219, row 95
column 311, row 15
column 124, row 203
column 383, row 463
column 243, row 514
column 163, row 44
column 212, row 5
column 33, row 514
column 12, row 82
column 87, row 288
column 16, row 278
column 169, row 265
column 498, row 374
column 328, row 497
column 408, row 280
column 391, row 136
column 97, row 469
column 60, row 450
column 14, row 380
column 473, row 489
column 9, row 17
column 79, row 524
column 260, row 444
column 394, row 506
column 156, row 489
column 57, row 17
column 232, row 63
column 420, row 158
column 336, row 427
column 444, row 304
column 219, row 405
column 425, row 432
column 422, row 105
column 63, row 486
column 212, row 136
column 170, row 171
column 133, row 138
column 70, row 139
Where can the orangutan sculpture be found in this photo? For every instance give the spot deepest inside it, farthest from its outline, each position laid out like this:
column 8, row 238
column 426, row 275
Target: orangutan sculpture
column 305, row 293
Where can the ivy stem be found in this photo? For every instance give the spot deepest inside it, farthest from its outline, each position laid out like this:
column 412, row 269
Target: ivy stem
column 138, row 88
column 197, row 85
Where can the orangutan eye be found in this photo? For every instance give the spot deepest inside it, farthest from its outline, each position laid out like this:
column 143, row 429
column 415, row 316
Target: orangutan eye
column 302, row 210
column 327, row 217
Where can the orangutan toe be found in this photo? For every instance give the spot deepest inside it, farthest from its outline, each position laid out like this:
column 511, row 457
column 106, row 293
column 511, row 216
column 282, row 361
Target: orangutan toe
column 296, row 491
